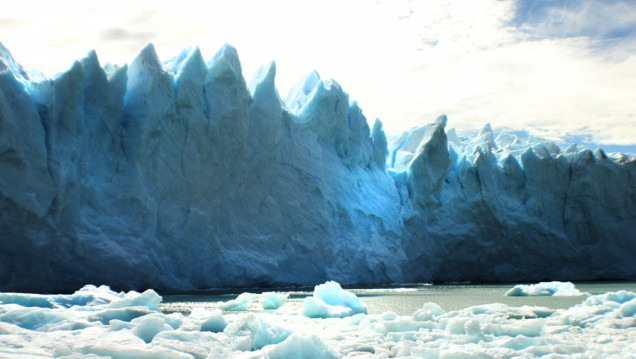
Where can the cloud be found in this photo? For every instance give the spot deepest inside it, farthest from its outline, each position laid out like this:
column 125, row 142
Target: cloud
column 10, row 23
column 551, row 69
column 597, row 20
column 118, row 34
column 482, row 69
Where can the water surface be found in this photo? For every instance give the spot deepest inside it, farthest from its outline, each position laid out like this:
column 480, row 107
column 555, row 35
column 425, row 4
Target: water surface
column 404, row 300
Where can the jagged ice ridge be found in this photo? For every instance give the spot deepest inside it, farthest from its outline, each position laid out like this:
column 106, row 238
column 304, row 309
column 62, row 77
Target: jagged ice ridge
column 179, row 175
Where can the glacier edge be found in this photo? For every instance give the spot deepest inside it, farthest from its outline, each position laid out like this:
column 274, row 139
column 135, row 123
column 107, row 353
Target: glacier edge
column 178, row 176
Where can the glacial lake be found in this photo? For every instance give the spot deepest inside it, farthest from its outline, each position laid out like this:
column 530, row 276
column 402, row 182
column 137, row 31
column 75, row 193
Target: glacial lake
column 403, row 300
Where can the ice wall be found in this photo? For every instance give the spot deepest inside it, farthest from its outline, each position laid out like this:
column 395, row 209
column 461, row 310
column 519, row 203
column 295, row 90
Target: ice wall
column 486, row 208
column 179, row 175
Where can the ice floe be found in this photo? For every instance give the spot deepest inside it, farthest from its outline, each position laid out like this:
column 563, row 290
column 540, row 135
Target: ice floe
column 553, row 288
column 96, row 322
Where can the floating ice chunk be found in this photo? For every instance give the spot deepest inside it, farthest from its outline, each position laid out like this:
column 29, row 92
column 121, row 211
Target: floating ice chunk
column 266, row 333
column 330, row 300
column 198, row 344
column 621, row 296
column 124, row 314
column 608, row 310
column 116, row 324
column 27, row 300
column 252, row 332
column 628, row 309
column 389, row 316
column 316, row 308
column 174, row 320
column 240, row 303
column 300, row 346
column 273, row 300
column 149, row 299
column 429, row 312
column 455, row 325
column 621, row 304
column 124, row 345
column 88, row 295
column 41, row 319
column 402, row 324
column 332, row 294
column 557, row 289
column 526, row 327
column 214, row 323
column 148, row 326
column 201, row 319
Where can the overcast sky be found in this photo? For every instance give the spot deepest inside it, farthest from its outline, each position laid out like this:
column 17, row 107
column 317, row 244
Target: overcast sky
column 558, row 69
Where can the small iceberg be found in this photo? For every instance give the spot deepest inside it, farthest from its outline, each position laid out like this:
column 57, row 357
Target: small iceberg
column 329, row 300
column 555, row 289
column 273, row 300
column 239, row 304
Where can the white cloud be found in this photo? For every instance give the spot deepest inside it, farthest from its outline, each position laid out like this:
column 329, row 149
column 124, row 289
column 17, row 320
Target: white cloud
column 591, row 18
column 404, row 61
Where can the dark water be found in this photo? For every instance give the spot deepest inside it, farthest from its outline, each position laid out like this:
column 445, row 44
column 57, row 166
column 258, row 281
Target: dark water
column 405, row 300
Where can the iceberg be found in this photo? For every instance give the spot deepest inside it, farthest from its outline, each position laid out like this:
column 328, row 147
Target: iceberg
column 330, row 300
column 557, row 289
column 204, row 320
column 240, row 303
column 273, row 300
column 180, row 175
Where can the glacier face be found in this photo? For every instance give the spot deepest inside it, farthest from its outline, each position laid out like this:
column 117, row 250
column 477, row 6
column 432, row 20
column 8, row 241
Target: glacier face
column 180, row 175
column 496, row 208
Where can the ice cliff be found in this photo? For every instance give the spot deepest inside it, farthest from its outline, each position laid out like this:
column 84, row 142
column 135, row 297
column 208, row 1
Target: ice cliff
column 180, row 175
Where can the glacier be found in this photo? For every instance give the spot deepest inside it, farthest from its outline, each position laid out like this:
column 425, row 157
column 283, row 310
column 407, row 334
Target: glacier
column 181, row 175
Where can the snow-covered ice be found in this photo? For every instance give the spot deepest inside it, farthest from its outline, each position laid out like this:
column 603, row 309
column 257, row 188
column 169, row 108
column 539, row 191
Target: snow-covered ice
column 182, row 175
column 75, row 326
column 545, row 289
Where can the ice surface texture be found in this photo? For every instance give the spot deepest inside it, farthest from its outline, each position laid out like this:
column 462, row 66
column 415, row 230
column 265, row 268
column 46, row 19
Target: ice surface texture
column 602, row 326
column 179, row 175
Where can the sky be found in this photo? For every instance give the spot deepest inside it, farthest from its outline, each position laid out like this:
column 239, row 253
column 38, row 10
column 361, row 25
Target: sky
column 562, row 70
